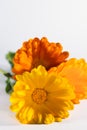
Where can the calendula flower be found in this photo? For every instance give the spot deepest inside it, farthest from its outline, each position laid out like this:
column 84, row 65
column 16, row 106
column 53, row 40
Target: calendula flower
column 41, row 97
column 38, row 52
column 76, row 72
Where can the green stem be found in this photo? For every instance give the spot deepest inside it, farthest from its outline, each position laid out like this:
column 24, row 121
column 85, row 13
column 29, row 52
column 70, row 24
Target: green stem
column 2, row 71
column 5, row 73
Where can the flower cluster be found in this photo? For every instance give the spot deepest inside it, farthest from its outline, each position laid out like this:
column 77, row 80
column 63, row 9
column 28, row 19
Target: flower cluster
column 47, row 84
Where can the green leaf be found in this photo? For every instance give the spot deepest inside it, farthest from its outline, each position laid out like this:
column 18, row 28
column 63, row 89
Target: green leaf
column 9, row 85
column 9, row 57
column 8, row 75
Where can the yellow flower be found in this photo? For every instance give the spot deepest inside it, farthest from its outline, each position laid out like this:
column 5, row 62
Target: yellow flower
column 37, row 52
column 76, row 72
column 41, row 97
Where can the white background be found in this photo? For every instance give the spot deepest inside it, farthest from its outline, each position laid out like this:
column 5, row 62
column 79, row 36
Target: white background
column 63, row 21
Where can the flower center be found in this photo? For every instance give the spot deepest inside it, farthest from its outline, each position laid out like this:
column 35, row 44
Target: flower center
column 39, row 95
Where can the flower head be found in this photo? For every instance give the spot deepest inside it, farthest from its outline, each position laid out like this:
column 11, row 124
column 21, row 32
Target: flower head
column 76, row 72
column 41, row 97
column 38, row 52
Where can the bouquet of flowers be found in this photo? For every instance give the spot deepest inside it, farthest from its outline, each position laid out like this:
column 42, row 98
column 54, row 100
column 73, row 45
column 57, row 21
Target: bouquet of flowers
column 44, row 84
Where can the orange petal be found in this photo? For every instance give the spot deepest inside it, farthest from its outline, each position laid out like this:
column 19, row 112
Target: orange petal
column 76, row 72
column 37, row 52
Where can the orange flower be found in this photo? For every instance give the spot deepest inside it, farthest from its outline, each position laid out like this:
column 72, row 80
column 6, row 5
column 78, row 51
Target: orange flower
column 76, row 72
column 38, row 52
